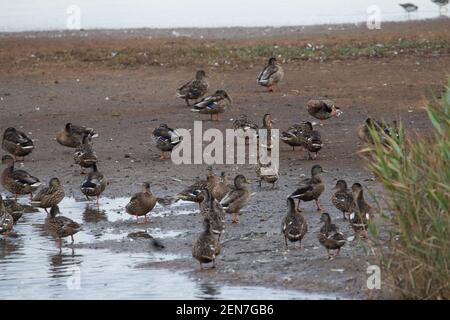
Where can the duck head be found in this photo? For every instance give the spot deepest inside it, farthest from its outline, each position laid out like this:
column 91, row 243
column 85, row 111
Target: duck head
column 357, row 190
column 200, row 74
column 8, row 160
column 268, row 120
column 146, row 186
column 54, row 211
column 341, row 185
column 325, row 218
column 272, row 61
column 54, row 182
column 335, row 111
column 224, row 95
column 240, row 181
column 316, row 170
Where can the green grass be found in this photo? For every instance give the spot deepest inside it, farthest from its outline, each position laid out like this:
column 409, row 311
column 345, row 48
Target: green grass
column 415, row 173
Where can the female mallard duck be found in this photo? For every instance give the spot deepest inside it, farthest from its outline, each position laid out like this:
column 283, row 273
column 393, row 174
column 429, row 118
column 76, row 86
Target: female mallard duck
column 362, row 211
column 214, row 104
column 190, row 193
column 14, row 208
column 271, row 75
column 60, row 226
column 221, row 187
column 18, row 182
column 17, row 143
column 237, row 198
column 85, row 155
column 71, row 136
column 94, row 184
column 322, row 109
column 330, row 237
column 206, row 247
column 294, row 226
column 267, row 173
column 343, row 199
column 312, row 142
column 6, row 220
column 49, row 196
column 245, row 128
column 382, row 129
column 266, row 133
column 295, row 135
column 194, row 89
column 310, row 188
column 166, row 139
column 141, row 203
column 211, row 209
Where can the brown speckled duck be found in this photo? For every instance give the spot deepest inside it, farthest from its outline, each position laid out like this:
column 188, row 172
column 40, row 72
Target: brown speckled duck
column 211, row 209
column 71, row 136
column 6, row 220
column 141, row 203
column 14, row 208
column 94, row 184
column 322, row 109
column 49, row 196
column 214, row 104
column 60, row 226
column 190, row 193
column 294, row 225
column 310, row 188
column 361, row 216
column 330, row 237
column 295, row 134
column 85, row 155
column 17, row 143
column 194, row 89
column 271, row 75
column 18, row 182
column 343, row 199
column 237, row 198
column 206, row 247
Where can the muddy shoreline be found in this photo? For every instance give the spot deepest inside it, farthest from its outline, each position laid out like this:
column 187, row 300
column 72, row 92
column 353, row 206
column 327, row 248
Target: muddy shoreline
column 125, row 104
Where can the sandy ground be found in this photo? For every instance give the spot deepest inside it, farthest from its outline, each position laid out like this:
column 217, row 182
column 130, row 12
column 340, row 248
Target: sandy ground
column 125, row 104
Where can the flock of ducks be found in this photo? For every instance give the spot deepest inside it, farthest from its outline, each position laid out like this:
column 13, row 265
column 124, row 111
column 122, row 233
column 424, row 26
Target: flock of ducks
column 215, row 196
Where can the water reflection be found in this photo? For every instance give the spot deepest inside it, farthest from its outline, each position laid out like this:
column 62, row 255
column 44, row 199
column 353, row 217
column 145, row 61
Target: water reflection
column 92, row 214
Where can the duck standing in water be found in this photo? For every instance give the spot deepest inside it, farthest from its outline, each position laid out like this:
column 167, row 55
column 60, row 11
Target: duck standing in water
column 271, row 75
column 14, row 208
column 18, row 182
column 310, row 188
column 49, row 196
column 194, row 89
column 342, row 199
column 214, row 104
column 72, row 135
column 330, row 237
column 294, row 225
column 166, row 139
column 94, row 184
column 323, row 109
column 237, row 198
column 17, row 143
column 141, row 203
column 206, row 247
column 60, row 226
column 85, row 155
column 6, row 220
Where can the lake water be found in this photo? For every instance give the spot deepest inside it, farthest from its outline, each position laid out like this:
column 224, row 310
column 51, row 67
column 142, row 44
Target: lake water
column 31, row 15
column 32, row 266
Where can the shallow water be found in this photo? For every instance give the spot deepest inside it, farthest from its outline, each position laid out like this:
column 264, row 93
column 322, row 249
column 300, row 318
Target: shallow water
column 32, row 267
column 26, row 15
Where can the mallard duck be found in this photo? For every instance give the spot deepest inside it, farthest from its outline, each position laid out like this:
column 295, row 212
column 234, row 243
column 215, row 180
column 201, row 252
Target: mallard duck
column 206, row 247
column 245, row 128
column 310, row 188
column 85, row 155
column 18, row 182
column 294, row 226
column 271, row 75
column 323, row 109
column 14, row 208
column 362, row 211
column 166, row 139
column 342, row 199
column 194, row 89
column 237, row 198
column 6, row 220
column 330, row 237
column 312, row 142
column 295, row 134
column 60, row 226
column 190, row 193
column 267, row 173
column 17, row 143
column 221, row 187
column 94, row 184
column 383, row 129
column 49, row 196
column 265, row 132
column 141, row 203
column 214, row 104
column 211, row 209
column 71, row 136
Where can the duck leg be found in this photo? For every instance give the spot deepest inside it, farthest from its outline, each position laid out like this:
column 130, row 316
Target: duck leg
column 187, row 102
column 72, row 238
column 286, row 243
column 270, row 88
column 235, row 219
column 321, row 123
column 319, row 208
column 214, row 264
column 298, row 206
column 337, row 252
column 344, row 216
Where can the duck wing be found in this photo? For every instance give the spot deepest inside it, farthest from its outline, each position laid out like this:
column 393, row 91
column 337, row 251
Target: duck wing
column 24, row 177
column 266, row 73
